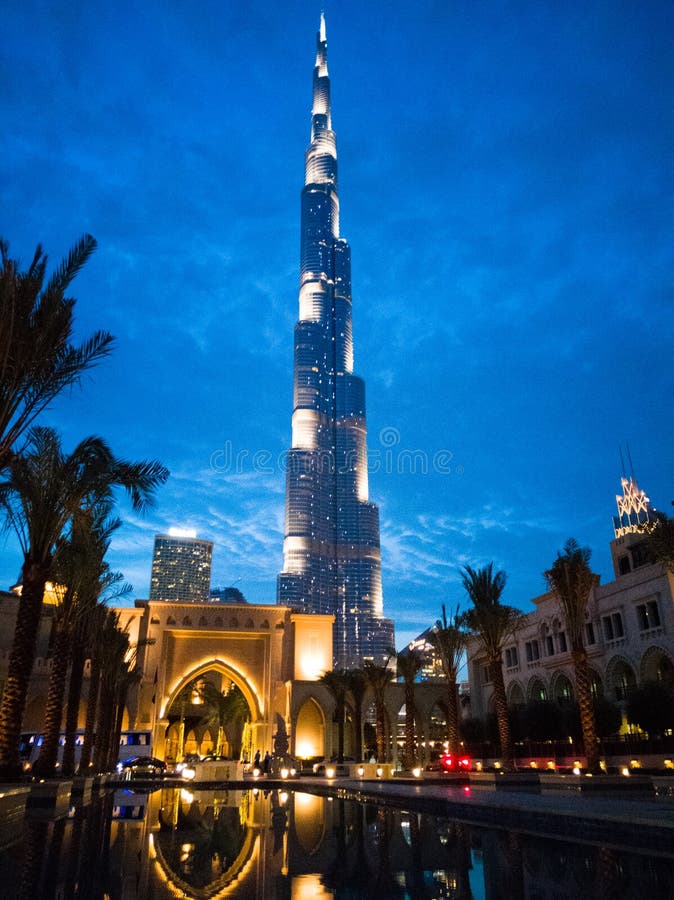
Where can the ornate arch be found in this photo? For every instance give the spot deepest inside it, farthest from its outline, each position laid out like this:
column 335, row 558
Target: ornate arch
column 652, row 662
column 516, row 696
column 309, row 728
column 249, row 691
column 561, row 688
column 620, row 676
column 537, row 689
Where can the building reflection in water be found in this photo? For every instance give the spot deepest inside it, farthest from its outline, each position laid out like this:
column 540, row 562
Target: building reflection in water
column 295, row 846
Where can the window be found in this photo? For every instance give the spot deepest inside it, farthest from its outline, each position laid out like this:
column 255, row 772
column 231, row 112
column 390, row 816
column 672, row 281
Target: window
column 648, row 615
column 486, row 677
column 624, row 564
column 589, row 634
column 561, row 640
column 549, row 645
column 532, row 651
column 613, row 626
column 511, row 657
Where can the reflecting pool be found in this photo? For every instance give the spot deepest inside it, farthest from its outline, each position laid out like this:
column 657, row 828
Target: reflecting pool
column 289, row 845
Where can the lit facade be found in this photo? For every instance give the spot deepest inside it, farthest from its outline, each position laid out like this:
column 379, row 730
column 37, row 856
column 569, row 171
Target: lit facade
column 629, row 628
column 181, row 568
column 332, row 560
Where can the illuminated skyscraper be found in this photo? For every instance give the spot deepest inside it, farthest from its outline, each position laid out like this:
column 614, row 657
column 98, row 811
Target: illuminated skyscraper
column 332, row 560
column 181, row 567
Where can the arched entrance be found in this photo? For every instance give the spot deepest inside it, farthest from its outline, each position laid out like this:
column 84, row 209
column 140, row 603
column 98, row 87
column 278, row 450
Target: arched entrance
column 310, row 730
column 211, row 710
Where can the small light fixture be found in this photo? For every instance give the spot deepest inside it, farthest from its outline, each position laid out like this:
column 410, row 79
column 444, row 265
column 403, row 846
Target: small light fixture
column 497, row 765
column 380, row 771
column 533, row 764
column 284, row 773
column 625, row 771
column 416, row 771
column 256, row 773
column 478, row 766
column 360, row 771
column 576, row 770
column 551, row 765
column 330, row 772
column 293, row 772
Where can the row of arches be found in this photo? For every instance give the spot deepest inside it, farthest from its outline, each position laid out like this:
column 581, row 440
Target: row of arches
column 619, row 679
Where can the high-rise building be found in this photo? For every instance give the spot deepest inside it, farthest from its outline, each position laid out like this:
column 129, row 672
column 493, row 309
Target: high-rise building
column 181, row 567
column 332, row 560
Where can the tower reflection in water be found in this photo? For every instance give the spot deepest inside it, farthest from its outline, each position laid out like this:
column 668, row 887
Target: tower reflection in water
column 295, row 846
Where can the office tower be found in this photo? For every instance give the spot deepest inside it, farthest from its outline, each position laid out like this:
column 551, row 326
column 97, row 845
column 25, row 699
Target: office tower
column 181, row 567
column 332, row 561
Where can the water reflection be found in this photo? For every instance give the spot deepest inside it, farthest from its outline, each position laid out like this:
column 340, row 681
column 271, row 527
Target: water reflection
column 292, row 846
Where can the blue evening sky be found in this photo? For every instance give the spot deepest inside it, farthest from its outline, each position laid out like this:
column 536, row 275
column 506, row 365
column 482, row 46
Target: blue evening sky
column 506, row 185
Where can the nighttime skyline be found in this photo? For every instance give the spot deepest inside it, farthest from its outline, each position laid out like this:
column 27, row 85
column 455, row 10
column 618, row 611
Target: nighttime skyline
column 506, row 191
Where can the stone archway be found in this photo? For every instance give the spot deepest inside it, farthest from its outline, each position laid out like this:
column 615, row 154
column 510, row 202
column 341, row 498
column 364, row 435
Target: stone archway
column 561, row 689
column 536, row 690
column 620, row 678
column 189, row 736
column 656, row 665
column 516, row 696
column 309, row 731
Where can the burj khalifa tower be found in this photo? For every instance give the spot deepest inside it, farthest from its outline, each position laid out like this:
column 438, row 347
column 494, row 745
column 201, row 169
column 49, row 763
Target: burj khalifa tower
column 332, row 558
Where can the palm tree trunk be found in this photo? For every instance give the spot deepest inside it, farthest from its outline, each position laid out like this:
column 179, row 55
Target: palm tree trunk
column 501, row 705
column 358, row 728
column 381, row 731
column 73, row 709
column 452, row 718
column 113, row 744
column 339, row 712
column 408, row 761
column 45, row 765
column 587, row 722
column 104, row 725
column 20, row 666
column 92, row 715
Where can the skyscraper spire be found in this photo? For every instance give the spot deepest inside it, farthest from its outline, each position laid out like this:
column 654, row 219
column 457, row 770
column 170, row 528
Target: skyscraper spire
column 331, row 549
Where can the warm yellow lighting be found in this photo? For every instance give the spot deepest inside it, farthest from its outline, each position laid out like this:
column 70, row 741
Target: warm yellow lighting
column 478, row 766
column 305, row 749
column 330, row 772
column 293, row 772
column 380, row 771
column 256, row 773
column 186, row 796
column 284, row 773
column 188, row 773
column 360, row 771
column 309, row 887
column 576, row 770
column 625, row 771
column 416, row 772
column 668, row 763
column 497, row 765
column 283, row 798
column 635, row 764
column 533, row 764
column 551, row 765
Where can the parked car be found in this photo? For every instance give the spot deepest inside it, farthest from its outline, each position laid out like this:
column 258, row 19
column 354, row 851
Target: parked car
column 452, row 763
column 141, row 767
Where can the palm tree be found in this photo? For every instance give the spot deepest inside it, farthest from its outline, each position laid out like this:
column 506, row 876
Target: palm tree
column 37, row 358
column 79, row 564
column 357, row 688
column 337, row 682
column 379, row 676
column 43, row 490
column 493, row 623
column 448, row 638
column 223, row 708
column 571, row 579
column 409, row 664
